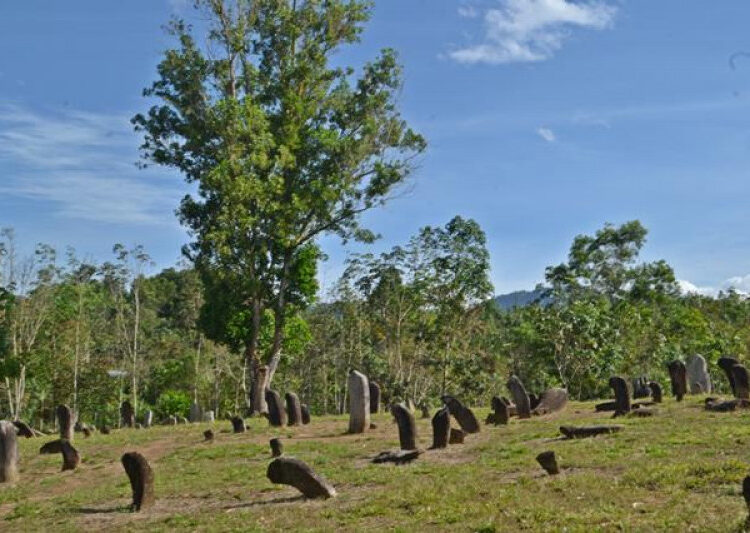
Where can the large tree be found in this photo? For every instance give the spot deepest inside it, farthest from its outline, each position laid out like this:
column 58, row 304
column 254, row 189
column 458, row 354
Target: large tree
column 282, row 146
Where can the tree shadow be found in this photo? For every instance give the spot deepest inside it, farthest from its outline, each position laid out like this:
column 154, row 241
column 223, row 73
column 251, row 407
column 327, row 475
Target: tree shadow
column 103, row 510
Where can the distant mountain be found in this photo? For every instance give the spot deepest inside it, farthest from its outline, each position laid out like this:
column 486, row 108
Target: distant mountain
column 506, row 302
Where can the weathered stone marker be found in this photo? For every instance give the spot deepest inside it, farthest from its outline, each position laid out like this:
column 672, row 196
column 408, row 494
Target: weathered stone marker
column 277, row 448
column 520, row 397
column 65, row 422
column 293, row 409
column 719, row 406
column 726, row 364
column 655, row 391
column 8, row 453
column 148, row 419
column 441, row 428
column 572, row 432
column 399, row 457
column 678, row 377
column 238, row 425
column 551, row 401
column 127, row 415
column 741, row 382
column 276, row 411
column 359, row 402
column 699, row 381
column 288, row 471
column 500, row 409
column 209, row 416
column 141, row 480
column 548, row 461
column 407, row 426
column 622, row 396
column 640, row 388
column 305, row 410
column 23, row 429
column 374, row 397
column 456, row 436
column 463, row 415
column 208, row 435
column 71, row 458
column 196, row 413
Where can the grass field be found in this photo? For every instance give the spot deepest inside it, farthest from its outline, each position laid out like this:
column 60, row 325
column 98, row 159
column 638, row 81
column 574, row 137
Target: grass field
column 681, row 471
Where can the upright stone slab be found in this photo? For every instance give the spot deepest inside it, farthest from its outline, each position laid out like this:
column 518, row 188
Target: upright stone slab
column 277, row 447
column 699, row 381
column 293, row 409
column 441, row 428
column 655, row 391
column 678, row 377
column 463, row 415
column 65, row 421
column 640, row 388
column 141, row 480
column 407, row 426
column 8, row 453
column 726, row 364
column 276, row 411
column 520, row 397
column 209, row 416
column 71, row 457
column 500, row 411
column 148, row 419
column 305, row 414
column 741, row 382
column 238, row 425
column 23, row 429
column 622, row 396
column 196, row 413
column 359, row 402
column 127, row 415
column 374, row 397
column 552, row 400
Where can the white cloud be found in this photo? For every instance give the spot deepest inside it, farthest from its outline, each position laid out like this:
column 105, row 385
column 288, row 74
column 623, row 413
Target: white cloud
column 468, row 11
column 532, row 30
column 740, row 284
column 546, row 134
column 83, row 165
column 689, row 288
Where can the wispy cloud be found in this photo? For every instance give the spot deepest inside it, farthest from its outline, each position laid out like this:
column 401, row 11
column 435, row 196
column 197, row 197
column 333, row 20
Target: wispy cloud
column 531, row 30
column 546, row 134
column 738, row 283
column 83, row 164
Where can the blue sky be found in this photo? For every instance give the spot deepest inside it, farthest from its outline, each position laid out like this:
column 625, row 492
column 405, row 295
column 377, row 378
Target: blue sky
column 545, row 118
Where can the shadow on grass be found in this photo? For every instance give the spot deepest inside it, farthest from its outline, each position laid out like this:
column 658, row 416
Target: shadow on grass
column 288, row 499
column 104, row 510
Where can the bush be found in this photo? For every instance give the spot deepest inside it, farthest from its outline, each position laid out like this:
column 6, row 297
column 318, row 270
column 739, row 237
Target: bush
column 172, row 403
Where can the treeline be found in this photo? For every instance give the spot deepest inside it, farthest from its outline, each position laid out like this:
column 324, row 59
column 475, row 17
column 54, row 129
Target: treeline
column 419, row 319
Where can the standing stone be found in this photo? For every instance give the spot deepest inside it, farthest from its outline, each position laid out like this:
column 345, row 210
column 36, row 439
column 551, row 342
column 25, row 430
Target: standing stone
column 209, row 416
column 71, row 458
column 407, row 426
column 425, row 410
column 8, row 453
column 520, row 398
column 741, row 382
column 23, row 429
column 276, row 411
column 374, row 397
column 534, row 400
column 208, row 435
column 238, row 425
column 552, row 400
column 359, row 402
column 288, row 471
column 293, row 409
column 148, row 419
column 305, row 414
column 277, row 448
column 622, row 396
column 726, row 364
column 548, row 461
column 141, row 480
column 441, row 428
column 259, row 391
column 65, row 421
column 500, row 409
column 655, row 391
column 127, row 415
column 699, row 382
column 196, row 414
column 678, row 377
column 640, row 388
column 462, row 414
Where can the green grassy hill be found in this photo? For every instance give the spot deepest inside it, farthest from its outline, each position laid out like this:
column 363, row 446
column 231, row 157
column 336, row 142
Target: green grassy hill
column 681, row 470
